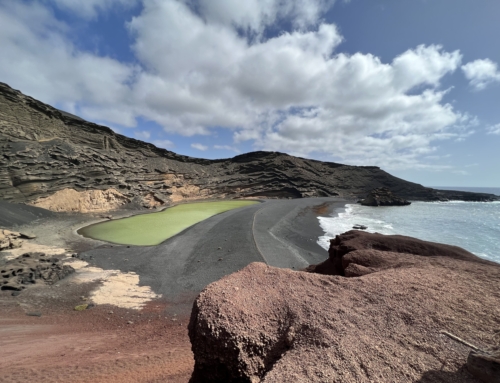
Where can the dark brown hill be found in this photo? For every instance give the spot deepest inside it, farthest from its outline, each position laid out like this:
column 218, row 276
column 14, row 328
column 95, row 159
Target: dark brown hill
column 44, row 151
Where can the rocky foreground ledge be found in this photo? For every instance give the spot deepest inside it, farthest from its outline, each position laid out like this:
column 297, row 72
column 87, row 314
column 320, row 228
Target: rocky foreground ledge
column 381, row 320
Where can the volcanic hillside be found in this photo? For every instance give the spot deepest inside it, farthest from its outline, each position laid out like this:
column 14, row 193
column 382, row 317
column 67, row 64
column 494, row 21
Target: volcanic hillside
column 52, row 159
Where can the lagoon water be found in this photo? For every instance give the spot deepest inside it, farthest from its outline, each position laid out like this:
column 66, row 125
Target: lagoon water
column 474, row 226
column 154, row 228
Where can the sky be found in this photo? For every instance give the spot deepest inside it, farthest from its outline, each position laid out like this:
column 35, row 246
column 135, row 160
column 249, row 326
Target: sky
column 412, row 86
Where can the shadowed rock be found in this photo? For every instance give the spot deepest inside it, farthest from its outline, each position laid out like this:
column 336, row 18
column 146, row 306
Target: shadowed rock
column 485, row 365
column 383, row 197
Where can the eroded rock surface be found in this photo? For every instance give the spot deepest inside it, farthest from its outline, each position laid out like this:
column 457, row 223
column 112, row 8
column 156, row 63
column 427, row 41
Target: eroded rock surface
column 31, row 268
column 383, row 197
column 45, row 151
column 70, row 200
column 12, row 239
column 355, row 253
column 264, row 324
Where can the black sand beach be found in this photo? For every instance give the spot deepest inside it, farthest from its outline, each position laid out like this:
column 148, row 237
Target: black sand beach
column 282, row 233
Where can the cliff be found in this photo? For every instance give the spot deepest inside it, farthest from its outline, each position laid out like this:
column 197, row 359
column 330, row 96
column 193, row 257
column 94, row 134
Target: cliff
column 45, row 151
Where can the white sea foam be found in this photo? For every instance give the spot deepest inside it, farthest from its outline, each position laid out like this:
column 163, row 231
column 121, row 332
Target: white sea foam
column 471, row 225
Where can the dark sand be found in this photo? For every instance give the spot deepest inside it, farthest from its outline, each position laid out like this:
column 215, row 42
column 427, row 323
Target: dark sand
column 12, row 215
column 109, row 344
column 282, row 233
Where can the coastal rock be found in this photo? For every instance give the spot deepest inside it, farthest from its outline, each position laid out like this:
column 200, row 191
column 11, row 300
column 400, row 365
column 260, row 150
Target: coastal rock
column 270, row 325
column 358, row 250
column 31, row 268
column 383, row 197
column 360, row 227
column 46, row 151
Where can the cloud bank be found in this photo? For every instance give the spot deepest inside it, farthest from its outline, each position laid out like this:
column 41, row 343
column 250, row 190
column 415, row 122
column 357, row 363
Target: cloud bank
column 206, row 65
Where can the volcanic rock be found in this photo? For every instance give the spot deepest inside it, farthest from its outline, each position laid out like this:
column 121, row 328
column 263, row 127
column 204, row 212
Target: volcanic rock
column 52, row 159
column 383, row 197
column 355, row 250
column 31, row 268
column 264, row 324
column 10, row 239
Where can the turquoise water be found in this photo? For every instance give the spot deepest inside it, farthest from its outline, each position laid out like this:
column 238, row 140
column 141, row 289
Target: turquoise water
column 474, row 226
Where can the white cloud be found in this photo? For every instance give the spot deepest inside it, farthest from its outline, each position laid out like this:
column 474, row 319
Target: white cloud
column 215, row 68
column 199, row 146
column 227, row 147
column 89, row 9
column 495, row 129
column 481, row 73
column 165, row 144
column 39, row 60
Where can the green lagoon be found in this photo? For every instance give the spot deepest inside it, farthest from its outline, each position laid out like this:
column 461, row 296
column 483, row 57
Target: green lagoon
column 154, row 228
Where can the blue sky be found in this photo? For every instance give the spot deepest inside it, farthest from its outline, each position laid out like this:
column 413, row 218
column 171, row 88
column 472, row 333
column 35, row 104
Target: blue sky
column 412, row 86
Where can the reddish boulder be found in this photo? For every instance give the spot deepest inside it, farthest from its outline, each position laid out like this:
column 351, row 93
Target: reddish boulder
column 373, row 251
column 270, row 325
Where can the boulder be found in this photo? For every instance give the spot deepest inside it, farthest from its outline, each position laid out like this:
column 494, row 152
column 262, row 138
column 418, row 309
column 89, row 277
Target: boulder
column 383, row 197
column 10, row 239
column 377, row 251
column 269, row 325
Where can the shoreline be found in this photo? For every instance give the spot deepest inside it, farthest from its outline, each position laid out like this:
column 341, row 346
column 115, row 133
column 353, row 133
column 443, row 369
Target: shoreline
column 470, row 225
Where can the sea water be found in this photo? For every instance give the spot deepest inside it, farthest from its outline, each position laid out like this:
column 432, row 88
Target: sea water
column 474, row 226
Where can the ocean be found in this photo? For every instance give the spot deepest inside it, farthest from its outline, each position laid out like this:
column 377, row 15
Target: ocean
column 474, row 226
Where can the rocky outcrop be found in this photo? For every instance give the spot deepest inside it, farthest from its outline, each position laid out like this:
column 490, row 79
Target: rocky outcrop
column 89, row 201
column 270, row 325
column 383, row 197
column 44, row 150
column 356, row 253
column 12, row 239
column 31, row 268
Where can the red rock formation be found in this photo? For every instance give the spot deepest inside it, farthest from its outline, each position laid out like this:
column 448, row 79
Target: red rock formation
column 264, row 324
column 369, row 251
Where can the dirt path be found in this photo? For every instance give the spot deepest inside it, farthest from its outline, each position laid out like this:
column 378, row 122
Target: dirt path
column 102, row 344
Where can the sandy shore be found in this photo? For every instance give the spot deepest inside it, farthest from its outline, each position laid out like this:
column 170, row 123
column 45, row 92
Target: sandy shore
column 108, row 343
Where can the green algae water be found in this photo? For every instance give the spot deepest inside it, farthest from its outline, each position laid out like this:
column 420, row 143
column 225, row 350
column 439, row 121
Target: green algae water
column 154, row 228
